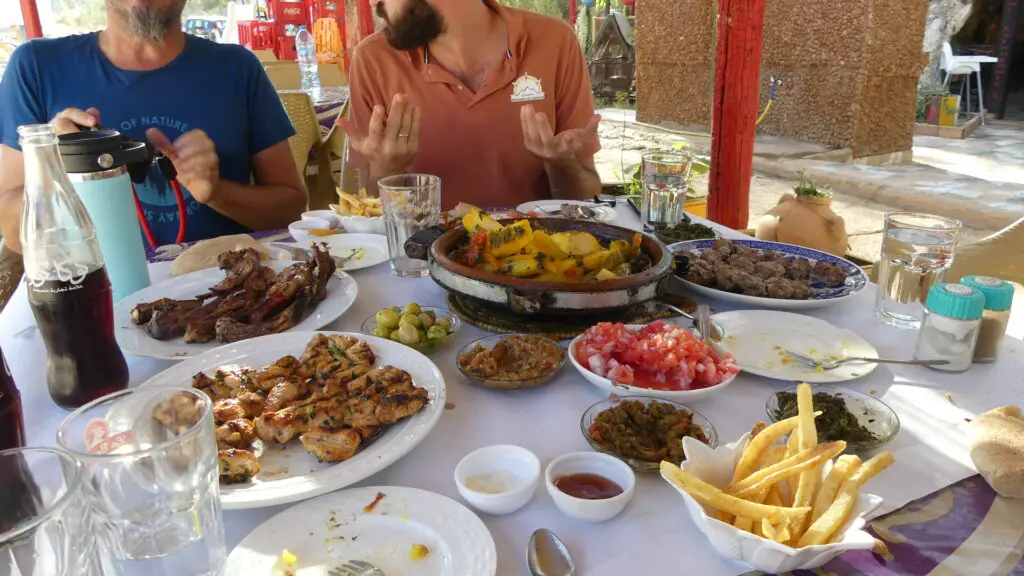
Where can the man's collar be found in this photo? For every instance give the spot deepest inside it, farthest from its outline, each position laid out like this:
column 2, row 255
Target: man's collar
column 513, row 23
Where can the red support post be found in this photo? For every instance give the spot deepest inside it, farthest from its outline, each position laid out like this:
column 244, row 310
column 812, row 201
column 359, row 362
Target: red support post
column 572, row 13
column 364, row 12
column 734, row 121
column 29, row 12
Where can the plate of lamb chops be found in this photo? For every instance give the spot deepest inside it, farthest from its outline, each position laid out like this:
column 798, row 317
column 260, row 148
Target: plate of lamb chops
column 242, row 298
column 766, row 274
column 305, row 413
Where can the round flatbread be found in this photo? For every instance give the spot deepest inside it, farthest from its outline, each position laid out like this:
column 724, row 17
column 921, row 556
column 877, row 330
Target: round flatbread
column 204, row 254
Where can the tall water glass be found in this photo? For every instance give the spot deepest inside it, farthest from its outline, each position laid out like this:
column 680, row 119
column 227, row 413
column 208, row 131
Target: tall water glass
column 665, row 179
column 917, row 249
column 411, row 202
column 45, row 527
column 152, row 484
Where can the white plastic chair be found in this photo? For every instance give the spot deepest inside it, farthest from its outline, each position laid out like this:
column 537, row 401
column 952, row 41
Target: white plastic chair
column 960, row 66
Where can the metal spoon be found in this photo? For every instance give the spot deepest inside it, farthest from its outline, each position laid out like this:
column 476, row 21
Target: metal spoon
column 548, row 556
column 704, row 323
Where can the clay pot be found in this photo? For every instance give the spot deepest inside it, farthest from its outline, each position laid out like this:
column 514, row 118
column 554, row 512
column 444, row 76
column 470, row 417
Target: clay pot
column 805, row 221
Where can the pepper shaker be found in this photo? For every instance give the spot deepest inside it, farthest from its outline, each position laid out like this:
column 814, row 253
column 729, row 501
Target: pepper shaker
column 998, row 300
column 949, row 330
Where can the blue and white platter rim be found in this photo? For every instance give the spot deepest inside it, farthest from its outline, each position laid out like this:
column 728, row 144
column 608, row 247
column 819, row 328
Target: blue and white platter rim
column 856, row 280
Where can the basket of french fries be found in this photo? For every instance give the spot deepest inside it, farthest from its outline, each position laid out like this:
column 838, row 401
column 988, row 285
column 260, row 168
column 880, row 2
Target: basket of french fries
column 779, row 504
column 359, row 214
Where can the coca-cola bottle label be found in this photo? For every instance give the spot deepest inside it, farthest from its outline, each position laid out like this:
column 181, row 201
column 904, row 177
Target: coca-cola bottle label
column 56, row 277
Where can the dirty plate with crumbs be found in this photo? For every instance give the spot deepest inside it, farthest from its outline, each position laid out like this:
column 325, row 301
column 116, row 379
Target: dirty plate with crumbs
column 400, row 530
column 759, row 339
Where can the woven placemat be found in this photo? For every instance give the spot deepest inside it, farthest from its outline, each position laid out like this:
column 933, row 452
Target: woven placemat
column 560, row 327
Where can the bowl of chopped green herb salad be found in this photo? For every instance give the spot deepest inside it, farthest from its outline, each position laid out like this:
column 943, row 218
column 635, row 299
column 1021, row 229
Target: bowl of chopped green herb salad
column 861, row 420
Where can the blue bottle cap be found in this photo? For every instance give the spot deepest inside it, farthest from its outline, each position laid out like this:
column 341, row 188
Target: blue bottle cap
column 956, row 301
column 998, row 293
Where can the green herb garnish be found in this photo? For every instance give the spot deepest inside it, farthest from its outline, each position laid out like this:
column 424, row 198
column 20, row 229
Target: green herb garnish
column 807, row 188
column 836, row 422
column 335, row 351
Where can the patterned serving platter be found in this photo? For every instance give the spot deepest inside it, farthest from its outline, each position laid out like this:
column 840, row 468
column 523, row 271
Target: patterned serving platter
column 823, row 295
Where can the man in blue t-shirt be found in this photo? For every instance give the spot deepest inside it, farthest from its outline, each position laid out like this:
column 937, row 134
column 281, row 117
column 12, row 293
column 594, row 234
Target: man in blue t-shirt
column 209, row 107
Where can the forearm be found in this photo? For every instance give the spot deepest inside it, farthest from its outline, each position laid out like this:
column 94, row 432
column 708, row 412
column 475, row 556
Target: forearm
column 571, row 179
column 10, row 218
column 259, row 207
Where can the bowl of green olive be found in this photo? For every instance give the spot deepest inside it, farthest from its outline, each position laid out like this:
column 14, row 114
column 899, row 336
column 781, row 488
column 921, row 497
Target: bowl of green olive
column 424, row 328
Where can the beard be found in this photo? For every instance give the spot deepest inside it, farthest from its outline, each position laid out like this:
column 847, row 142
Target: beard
column 417, row 25
column 147, row 24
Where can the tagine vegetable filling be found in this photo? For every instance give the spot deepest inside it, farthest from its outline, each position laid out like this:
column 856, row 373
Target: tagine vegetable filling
column 519, row 251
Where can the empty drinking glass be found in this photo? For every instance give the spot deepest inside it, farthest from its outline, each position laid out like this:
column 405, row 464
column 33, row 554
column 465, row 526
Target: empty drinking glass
column 917, row 249
column 665, row 177
column 45, row 527
column 411, row 202
column 150, row 457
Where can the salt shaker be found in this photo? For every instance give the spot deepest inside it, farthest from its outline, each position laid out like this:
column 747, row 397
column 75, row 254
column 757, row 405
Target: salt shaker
column 998, row 299
column 950, row 327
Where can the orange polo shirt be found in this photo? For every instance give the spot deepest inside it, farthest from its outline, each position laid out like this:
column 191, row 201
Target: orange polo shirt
column 474, row 141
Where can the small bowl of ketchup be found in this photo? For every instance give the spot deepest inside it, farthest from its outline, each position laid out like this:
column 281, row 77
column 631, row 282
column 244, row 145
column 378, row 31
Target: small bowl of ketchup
column 589, row 485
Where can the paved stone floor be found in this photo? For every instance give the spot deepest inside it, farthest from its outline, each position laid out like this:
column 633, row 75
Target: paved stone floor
column 623, row 141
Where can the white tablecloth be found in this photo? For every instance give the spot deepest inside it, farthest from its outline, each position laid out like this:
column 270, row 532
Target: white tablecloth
column 654, row 534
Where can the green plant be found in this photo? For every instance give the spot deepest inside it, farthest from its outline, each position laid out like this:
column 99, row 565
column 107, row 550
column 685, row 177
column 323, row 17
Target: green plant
column 807, row 188
column 926, row 96
column 700, row 166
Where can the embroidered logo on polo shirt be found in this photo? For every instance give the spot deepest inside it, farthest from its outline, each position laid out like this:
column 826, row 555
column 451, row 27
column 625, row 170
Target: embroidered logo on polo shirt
column 526, row 88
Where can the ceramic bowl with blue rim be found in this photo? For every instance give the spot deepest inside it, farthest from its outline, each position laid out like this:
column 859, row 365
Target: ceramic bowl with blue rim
column 821, row 294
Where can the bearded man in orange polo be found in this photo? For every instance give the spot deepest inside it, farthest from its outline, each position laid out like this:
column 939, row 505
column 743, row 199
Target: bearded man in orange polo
column 496, row 101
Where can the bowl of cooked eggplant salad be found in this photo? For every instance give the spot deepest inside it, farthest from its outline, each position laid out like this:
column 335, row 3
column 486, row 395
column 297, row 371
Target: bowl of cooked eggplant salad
column 765, row 274
column 642, row 430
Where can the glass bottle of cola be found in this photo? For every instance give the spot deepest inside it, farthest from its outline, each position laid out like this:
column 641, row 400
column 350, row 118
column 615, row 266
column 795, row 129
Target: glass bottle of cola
column 68, row 287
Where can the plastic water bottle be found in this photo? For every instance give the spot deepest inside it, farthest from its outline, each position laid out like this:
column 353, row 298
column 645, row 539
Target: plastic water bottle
column 305, row 47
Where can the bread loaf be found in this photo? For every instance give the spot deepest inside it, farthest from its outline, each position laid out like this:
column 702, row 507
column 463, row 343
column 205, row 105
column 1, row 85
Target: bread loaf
column 204, row 254
column 996, row 440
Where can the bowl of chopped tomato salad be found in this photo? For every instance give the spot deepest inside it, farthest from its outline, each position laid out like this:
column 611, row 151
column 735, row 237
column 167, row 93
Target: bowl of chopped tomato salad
column 661, row 360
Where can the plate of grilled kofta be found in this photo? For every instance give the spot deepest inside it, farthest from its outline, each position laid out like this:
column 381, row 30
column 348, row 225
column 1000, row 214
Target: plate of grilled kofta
column 765, row 274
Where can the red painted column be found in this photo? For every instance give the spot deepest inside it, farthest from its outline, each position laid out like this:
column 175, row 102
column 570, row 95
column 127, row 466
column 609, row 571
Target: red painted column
column 734, row 121
column 572, row 13
column 365, row 13
column 33, row 29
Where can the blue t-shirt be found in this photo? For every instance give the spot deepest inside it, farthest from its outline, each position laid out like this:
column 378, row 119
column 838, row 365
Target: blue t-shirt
column 218, row 88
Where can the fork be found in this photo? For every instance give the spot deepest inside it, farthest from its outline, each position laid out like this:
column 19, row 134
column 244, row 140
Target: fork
column 833, row 364
column 356, row 568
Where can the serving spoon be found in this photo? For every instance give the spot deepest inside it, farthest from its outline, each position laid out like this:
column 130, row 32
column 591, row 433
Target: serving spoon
column 548, row 556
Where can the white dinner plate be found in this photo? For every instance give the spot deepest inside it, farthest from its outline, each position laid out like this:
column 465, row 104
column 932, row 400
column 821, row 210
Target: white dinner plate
column 758, row 340
column 134, row 340
column 374, row 247
column 543, row 207
column 289, row 473
column 822, row 295
column 332, row 529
